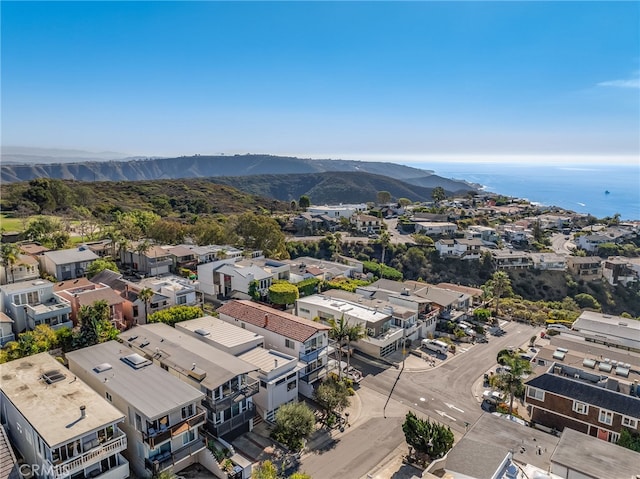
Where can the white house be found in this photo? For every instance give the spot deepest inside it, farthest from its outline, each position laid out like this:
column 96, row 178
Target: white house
column 337, row 211
column 221, row 335
column 30, row 303
column 285, row 333
column 431, row 228
column 58, row 424
column 6, row 329
column 460, row 248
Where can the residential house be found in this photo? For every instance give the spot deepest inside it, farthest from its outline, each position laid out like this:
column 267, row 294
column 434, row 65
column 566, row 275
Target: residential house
column 178, row 291
column 33, row 249
column 183, row 257
column 132, row 308
column 221, row 335
column 60, row 426
column 580, row 456
column 222, row 378
column 548, row 261
column 6, row 329
column 285, row 333
column 305, row 267
column 79, row 293
column 278, row 376
column 460, row 248
column 510, row 259
column 585, row 387
column 210, row 253
column 619, row 270
column 452, row 305
column 307, row 223
column 613, row 331
column 476, row 294
column 25, row 268
column 585, row 267
column 591, row 242
column 382, row 338
column 337, row 211
column 483, row 233
column 162, row 414
column 68, row 263
column 235, row 280
column 431, row 228
column 515, row 233
column 147, row 260
column 103, row 248
column 30, row 303
column 366, row 224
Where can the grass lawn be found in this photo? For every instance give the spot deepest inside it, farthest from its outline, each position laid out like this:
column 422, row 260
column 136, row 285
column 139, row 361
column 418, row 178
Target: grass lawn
column 10, row 224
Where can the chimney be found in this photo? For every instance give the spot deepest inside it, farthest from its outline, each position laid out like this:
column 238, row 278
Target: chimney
column 83, row 412
column 266, row 320
column 275, row 363
column 193, row 366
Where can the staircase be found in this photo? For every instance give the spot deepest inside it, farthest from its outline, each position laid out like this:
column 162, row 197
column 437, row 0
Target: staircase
column 8, row 462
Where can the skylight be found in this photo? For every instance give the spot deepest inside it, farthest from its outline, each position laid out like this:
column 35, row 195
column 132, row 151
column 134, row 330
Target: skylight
column 100, row 368
column 53, row 376
column 136, row 361
column 201, row 332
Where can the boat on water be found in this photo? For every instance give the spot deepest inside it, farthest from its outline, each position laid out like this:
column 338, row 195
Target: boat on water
column 607, row 192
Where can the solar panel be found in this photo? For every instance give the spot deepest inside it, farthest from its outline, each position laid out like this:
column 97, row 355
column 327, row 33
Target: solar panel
column 53, row 376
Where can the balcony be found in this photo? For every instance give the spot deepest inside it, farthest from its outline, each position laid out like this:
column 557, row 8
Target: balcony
column 236, row 421
column 168, row 459
column 314, row 375
column 154, row 438
column 311, row 356
column 393, row 334
column 216, row 405
column 106, row 449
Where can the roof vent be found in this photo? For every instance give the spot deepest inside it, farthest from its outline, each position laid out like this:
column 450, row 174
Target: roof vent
column 201, row 332
column 100, row 368
column 132, row 338
column 53, row 376
column 144, row 343
column 136, row 361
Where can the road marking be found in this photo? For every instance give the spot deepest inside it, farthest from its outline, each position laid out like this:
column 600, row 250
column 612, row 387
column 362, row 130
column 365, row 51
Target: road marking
column 422, row 399
column 444, row 414
column 451, row 406
column 464, row 350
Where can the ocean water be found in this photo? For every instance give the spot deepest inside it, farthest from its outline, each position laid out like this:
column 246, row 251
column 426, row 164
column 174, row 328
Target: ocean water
column 578, row 188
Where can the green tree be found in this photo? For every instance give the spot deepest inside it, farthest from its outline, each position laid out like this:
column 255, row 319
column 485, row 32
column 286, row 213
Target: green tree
column 427, row 437
column 304, row 202
column 355, row 332
column 95, row 325
column 10, row 253
column 145, row 296
column 263, row 233
column 481, row 314
column 385, row 241
column 586, row 301
column 283, row 293
column 299, row 475
column 332, row 396
column 438, row 194
column 100, row 265
column 175, row 314
column 629, row 439
column 404, row 202
column 510, row 380
column 294, row 423
column 499, row 285
column 264, row 470
column 383, row 197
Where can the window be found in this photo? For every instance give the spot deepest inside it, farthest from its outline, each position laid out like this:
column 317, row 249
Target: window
column 305, row 310
column 605, row 417
column 181, row 300
column 614, row 437
column 580, row 407
column 291, row 385
column 629, row 422
column 187, row 411
column 536, row 394
column 188, row 436
column 289, row 344
column 108, row 396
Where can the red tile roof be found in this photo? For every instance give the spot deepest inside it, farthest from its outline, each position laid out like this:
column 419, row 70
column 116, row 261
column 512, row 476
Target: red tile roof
column 285, row 324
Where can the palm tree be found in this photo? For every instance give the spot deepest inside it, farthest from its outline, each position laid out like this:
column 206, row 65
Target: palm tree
column 385, row 240
column 354, row 333
column 10, row 255
column 141, row 248
column 339, row 332
column 499, row 284
column 510, row 381
column 145, row 295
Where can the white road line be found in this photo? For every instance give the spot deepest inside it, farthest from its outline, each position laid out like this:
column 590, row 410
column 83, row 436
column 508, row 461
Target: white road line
column 444, row 414
column 451, row 406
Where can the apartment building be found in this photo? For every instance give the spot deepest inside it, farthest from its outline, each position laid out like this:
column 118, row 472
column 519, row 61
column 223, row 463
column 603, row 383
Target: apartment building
column 162, row 414
column 61, row 428
column 221, row 377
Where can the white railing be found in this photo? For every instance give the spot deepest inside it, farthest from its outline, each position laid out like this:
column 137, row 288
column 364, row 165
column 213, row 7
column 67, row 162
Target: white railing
column 107, row 449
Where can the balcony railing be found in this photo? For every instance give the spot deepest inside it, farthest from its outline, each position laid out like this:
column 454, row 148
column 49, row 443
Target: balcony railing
column 236, row 421
column 312, row 355
column 165, row 460
column 314, row 375
column 158, row 437
column 252, row 387
column 105, row 450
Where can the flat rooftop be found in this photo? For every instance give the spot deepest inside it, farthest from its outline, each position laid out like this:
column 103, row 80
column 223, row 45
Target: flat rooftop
column 346, row 307
column 266, row 360
column 148, row 388
column 217, row 331
column 54, row 409
column 595, row 457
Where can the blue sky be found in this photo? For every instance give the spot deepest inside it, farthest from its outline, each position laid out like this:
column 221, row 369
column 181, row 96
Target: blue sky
column 360, row 80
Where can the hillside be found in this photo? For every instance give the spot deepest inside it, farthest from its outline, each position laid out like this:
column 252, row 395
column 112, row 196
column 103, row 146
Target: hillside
column 213, row 166
column 333, row 187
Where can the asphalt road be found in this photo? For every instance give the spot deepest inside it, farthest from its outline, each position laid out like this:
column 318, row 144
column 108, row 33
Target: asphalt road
column 445, row 392
column 561, row 245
